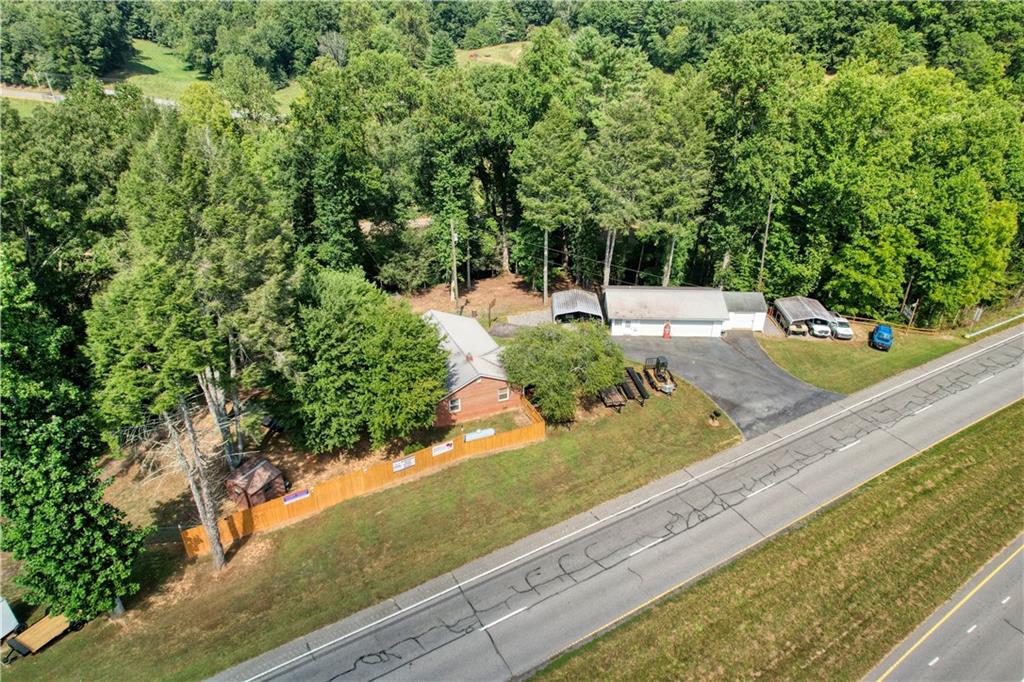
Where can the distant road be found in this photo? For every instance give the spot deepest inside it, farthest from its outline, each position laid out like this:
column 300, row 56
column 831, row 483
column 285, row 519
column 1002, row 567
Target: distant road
column 502, row 616
column 44, row 96
column 977, row 635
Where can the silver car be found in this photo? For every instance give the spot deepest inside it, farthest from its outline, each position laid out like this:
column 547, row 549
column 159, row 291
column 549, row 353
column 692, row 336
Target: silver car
column 841, row 328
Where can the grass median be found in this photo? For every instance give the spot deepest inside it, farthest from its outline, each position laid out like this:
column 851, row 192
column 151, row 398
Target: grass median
column 829, row 600
column 848, row 366
column 190, row 623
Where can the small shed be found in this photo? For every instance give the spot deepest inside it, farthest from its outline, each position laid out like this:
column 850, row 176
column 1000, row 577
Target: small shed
column 799, row 309
column 747, row 310
column 254, row 482
column 575, row 304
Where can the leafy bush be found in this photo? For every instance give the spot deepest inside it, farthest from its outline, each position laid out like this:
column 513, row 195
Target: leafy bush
column 561, row 364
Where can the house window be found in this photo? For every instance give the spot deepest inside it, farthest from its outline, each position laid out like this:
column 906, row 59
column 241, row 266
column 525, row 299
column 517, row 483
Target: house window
column 502, row 394
column 454, row 405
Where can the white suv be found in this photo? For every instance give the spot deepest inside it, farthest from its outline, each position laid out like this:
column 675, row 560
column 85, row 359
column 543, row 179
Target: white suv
column 841, row 328
column 819, row 328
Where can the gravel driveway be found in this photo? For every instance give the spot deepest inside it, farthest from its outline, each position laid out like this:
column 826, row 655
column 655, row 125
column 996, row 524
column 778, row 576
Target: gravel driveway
column 755, row 392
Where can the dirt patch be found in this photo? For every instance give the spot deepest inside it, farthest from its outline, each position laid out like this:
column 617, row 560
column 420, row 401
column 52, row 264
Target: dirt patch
column 505, row 295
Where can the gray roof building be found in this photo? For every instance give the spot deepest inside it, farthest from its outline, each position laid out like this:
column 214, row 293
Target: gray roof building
column 745, row 302
column 574, row 302
column 472, row 353
column 664, row 303
column 799, row 308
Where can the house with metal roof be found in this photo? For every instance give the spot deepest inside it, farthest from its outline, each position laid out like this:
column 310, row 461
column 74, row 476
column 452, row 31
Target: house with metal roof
column 665, row 311
column 747, row 310
column 575, row 304
column 477, row 385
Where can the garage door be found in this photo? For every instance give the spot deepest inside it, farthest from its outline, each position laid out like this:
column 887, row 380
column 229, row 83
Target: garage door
column 705, row 328
column 677, row 328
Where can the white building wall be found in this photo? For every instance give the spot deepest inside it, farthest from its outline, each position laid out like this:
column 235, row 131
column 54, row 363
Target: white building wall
column 746, row 321
column 679, row 328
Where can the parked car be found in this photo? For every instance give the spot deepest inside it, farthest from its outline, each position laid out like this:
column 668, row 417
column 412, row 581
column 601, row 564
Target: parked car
column 841, row 328
column 881, row 337
column 819, row 328
column 796, row 329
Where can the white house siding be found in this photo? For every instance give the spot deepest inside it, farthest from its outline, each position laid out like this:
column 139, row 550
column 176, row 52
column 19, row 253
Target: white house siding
column 746, row 321
column 679, row 328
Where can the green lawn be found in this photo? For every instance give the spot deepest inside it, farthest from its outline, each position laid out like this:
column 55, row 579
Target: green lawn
column 190, row 623
column 157, row 71
column 828, row 601
column 848, row 366
column 25, row 107
column 161, row 73
column 506, row 54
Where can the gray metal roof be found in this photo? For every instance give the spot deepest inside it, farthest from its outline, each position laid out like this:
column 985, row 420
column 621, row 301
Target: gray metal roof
column 575, row 301
column 472, row 353
column 797, row 308
column 745, row 302
column 664, row 303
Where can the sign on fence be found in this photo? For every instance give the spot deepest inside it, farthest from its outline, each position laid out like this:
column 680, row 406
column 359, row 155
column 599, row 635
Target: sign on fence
column 442, row 448
column 296, row 496
column 403, row 464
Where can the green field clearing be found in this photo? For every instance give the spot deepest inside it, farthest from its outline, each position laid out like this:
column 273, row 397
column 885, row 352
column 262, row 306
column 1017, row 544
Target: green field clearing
column 159, row 72
column 25, row 107
column 506, row 54
column 190, row 623
column 828, row 601
column 848, row 366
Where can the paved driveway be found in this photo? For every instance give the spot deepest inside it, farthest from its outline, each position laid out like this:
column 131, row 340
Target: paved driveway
column 755, row 392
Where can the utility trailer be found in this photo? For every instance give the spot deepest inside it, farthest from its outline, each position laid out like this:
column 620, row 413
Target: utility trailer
column 612, row 398
column 627, row 390
column 638, row 382
column 658, row 367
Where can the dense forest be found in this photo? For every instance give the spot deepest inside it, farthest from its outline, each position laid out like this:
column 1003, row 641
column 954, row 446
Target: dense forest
column 153, row 258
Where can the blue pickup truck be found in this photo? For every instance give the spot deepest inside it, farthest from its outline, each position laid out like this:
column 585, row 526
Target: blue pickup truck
column 881, row 337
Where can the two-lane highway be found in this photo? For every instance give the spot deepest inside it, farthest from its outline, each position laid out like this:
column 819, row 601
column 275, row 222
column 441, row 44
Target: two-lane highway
column 507, row 613
column 978, row 635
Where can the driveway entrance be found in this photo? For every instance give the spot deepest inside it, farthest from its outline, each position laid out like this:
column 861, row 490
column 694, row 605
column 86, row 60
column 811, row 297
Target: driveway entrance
column 755, row 392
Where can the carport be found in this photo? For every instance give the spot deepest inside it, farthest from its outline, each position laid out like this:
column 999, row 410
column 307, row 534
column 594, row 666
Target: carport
column 575, row 304
column 800, row 309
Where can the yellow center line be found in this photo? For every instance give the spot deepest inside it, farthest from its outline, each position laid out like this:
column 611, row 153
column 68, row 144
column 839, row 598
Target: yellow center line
column 954, row 610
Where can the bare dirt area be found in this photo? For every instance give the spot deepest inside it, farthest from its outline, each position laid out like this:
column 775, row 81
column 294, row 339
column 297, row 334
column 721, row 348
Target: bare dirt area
column 504, row 294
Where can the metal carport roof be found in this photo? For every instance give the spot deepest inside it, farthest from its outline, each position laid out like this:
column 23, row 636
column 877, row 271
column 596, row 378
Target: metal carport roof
column 575, row 301
column 798, row 308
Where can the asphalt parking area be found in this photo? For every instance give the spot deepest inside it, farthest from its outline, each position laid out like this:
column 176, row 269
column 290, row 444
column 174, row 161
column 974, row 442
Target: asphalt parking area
column 737, row 374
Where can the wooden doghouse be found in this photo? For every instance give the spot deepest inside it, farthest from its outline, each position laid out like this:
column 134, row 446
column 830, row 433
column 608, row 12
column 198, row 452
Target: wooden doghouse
column 255, row 481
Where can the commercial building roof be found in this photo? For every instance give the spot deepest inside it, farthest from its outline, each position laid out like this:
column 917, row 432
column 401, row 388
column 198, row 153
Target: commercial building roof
column 745, row 302
column 798, row 308
column 472, row 353
column 664, row 303
column 575, row 301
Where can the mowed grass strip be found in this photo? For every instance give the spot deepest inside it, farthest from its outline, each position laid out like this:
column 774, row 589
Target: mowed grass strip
column 192, row 623
column 828, row 601
column 505, row 54
column 848, row 366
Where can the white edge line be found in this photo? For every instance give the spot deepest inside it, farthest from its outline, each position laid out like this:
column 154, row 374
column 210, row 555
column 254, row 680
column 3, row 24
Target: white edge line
column 848, row 445
column 926, row 407
column 758, row 492
column 1005, row 600
column 626, row 510
column 990, row 376
column 971, row 629
column 647, row 546
column 933, row 661
column 505, row 617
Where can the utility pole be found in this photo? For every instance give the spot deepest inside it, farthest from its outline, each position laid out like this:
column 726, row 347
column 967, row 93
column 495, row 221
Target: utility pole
column 469, row 284
column 764, row 242
column 906, row 295
column 545, row 267
column 455, row 272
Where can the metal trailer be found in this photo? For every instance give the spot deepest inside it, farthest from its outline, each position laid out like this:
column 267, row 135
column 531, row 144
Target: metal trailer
column 612, row 398
column 627, row 390
column 638, row 382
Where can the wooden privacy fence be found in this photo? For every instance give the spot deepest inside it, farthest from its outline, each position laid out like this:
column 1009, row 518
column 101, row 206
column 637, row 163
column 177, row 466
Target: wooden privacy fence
column 307, row 502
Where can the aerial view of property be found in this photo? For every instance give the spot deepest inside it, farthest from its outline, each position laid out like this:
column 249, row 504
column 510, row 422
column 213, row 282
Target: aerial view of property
column 493, row 340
